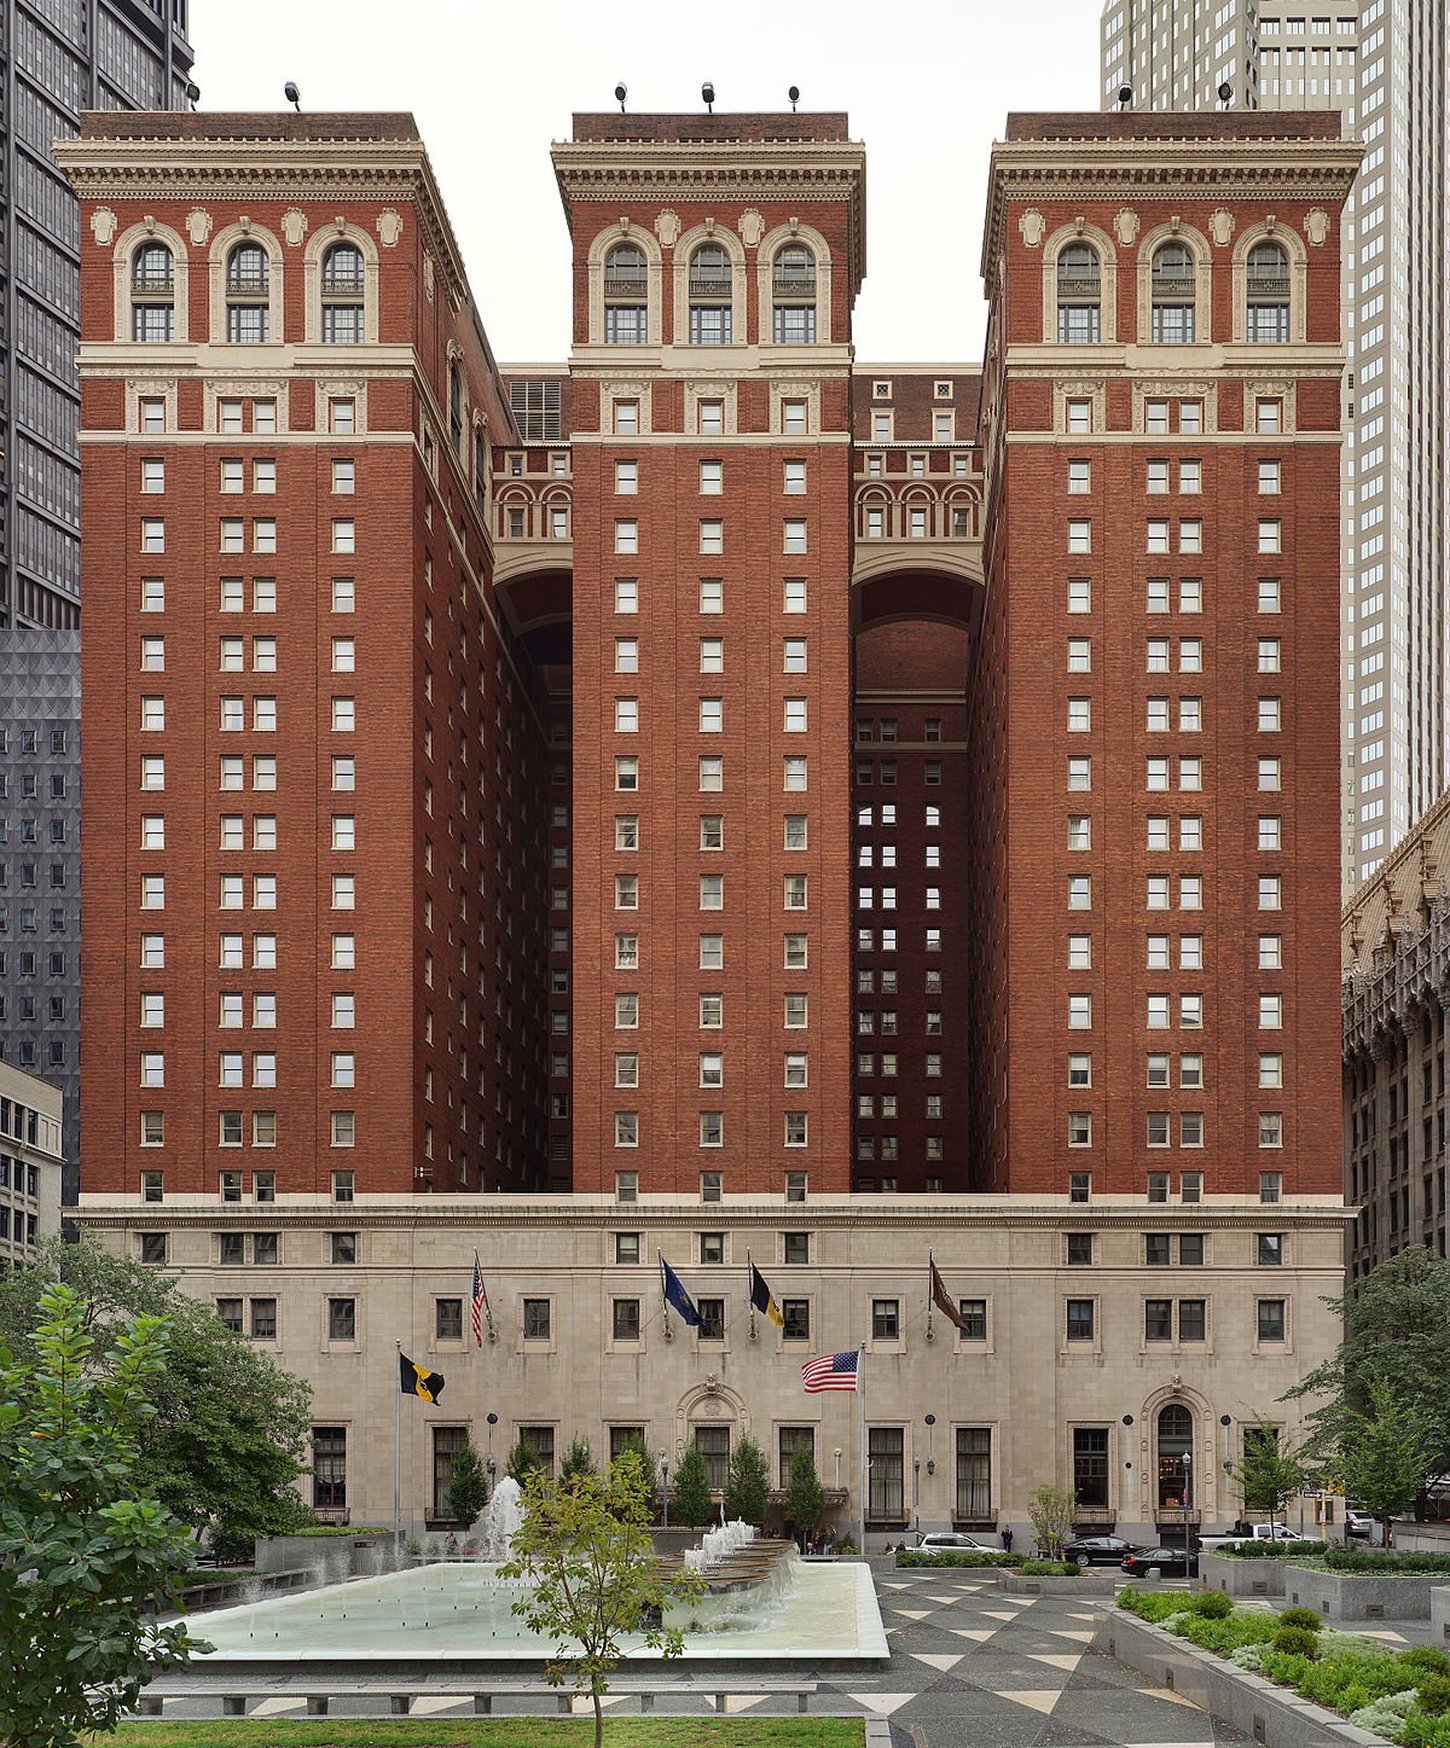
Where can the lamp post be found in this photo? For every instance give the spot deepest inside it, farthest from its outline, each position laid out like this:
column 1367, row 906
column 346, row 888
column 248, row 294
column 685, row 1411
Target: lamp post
column 665, row 1485
column 916, row 1494
column 1187, row 1490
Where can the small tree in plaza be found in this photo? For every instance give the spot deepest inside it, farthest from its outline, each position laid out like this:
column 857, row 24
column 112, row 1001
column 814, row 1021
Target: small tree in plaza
column 523, row 1459
column 584, row 1547
column 692, row 1502
column 1271, row 1472
column 578, row 1458
column 747, row 1486
column 85, row 1560
column 635, row 1446
column 1383, row 1453
column 1051, row 1509
column 467, row 1486
column 805, row 1498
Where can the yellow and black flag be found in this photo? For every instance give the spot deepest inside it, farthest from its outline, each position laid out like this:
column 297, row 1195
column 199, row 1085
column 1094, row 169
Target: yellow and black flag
column 762, row 1299
column 417, row 1381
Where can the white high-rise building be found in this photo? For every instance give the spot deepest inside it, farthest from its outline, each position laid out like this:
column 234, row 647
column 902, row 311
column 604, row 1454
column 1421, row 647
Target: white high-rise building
column 1382, row 62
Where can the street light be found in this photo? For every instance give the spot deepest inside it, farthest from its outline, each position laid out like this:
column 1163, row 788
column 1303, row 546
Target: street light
column 916, row 1494
column 665, row 1484
column 1187, row 1489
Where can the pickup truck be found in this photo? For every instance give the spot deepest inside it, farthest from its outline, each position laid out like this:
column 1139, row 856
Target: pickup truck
column 1258, row 1532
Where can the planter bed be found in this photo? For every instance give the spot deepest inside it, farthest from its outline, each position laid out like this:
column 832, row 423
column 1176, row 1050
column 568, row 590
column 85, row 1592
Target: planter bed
column 1237, row 1577
column 1359, row 1596
column 1103, row 1581
column 1264, row 1711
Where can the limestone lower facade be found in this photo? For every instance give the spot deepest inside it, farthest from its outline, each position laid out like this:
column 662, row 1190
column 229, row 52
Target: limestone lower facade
column 1116, row 1348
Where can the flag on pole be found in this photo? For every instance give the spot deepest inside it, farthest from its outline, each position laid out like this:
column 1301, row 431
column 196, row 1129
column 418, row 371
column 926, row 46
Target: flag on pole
column 763, row 1299
column 675, row 1295
column 480, row 1303
column 833, row 1371
column 943, row 1300
column 417, row 1380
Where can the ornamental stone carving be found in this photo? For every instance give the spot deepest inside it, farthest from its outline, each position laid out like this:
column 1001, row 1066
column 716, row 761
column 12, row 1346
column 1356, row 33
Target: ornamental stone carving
column 390, row 227
column 103, row 226
column 198, row 226
column 752, row 228
column 1221, row 226
column 1126, row 225
column 1033, row 227
column 667, row 227
column 1316, row 226
column 294, row 226
column 428, row 277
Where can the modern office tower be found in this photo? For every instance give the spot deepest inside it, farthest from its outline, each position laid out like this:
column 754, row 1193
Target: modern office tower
column 1382, row 65
column 56, row 60
column 40, row 866
column 831, row 819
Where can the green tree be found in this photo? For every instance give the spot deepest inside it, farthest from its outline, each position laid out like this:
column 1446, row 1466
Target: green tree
column 1383, row 1453
column 1396, row 1331
column 467, row 1486
column 578, row 1458
column 747, row 1485
column 85, row 1556
column 523, row 1460
column 1051, row 1509
column 805, row 1498
column 586, row 1554
column 631, row 1482
column 1271, row 1472
column 637, row 1445
column 692, row 1503
column 230, row 1431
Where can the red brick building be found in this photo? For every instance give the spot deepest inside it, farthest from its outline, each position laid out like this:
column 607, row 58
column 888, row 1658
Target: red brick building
column 714, row 769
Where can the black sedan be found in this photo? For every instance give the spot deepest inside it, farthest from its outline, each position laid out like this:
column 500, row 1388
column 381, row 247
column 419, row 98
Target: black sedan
column 1162, row 1563
column 1100, row 1550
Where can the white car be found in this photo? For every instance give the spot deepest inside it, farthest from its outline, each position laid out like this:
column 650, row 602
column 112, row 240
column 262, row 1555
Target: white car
column 1360, row 1525
column 952, row 1539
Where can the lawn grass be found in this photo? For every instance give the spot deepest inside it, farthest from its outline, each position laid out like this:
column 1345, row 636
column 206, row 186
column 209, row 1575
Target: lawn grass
column 620, row 1732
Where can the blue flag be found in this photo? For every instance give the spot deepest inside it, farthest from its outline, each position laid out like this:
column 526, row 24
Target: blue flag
column 675, row 1295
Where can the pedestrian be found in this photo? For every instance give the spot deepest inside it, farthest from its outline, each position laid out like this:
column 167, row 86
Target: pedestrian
column 450, row 1546
column 1007, row 1539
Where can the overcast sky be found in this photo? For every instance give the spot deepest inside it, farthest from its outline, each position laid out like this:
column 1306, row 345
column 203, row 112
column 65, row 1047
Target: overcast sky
column 926, row 84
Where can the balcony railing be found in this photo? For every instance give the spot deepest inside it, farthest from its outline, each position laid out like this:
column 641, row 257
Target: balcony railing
column 1079, row 285
column 151, row 282
column 1169, row 287
column 794, row 284
column 344, row 284
column 246, row 283
column 621, row 283
column 709, row 285
column 1268, row 286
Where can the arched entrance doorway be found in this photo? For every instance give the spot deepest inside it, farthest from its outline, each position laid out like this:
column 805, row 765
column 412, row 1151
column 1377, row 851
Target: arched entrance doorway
column 1175, row 1458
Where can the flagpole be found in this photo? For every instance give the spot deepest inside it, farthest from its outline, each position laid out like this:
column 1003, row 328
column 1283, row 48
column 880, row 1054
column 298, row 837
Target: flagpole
column 397, row 1453
column 750, row 1290
column 865, row 1480
column 930, row 1301
column 664, row 1297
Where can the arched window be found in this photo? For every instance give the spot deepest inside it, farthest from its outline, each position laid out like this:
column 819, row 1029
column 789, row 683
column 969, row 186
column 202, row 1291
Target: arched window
column 1267, row 293
column 1079, row 296
column 249, row 274
column 626, row 296
column 455, row 408
column 480, row 467
column 1175, row 1457
column 711, row 287
column 344, row 293
column 153, row 293
column 793, row 290
column 1175, row 288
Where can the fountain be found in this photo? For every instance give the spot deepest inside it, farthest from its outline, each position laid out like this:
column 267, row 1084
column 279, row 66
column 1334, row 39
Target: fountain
column 760, row 1603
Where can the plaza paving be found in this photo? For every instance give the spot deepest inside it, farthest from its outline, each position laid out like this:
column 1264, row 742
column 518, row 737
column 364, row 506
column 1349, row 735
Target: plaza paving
column 970, row 1668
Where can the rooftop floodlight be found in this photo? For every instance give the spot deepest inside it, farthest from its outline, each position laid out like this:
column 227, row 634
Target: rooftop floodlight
column 293, row 95
column 795, row 96
column 621, row 91
column 1225, row 94
column 707, row 92
column 1125, row 96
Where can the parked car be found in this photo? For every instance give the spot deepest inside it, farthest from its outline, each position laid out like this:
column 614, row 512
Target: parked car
column 952, row 1539
column 1161, row 1563
column 1360, row 1525
column 1100, row 1550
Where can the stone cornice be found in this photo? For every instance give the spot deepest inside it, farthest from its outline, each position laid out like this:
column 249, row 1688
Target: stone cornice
column 1188, row 170
column 471, row 1214
column 232, row 170
column 754, row 170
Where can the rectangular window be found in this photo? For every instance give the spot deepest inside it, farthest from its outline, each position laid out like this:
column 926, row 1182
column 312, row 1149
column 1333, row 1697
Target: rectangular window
column 1080, row 1318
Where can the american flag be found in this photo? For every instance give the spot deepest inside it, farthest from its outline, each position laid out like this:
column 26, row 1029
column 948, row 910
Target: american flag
column 833, row 1371
column 480, row 1302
